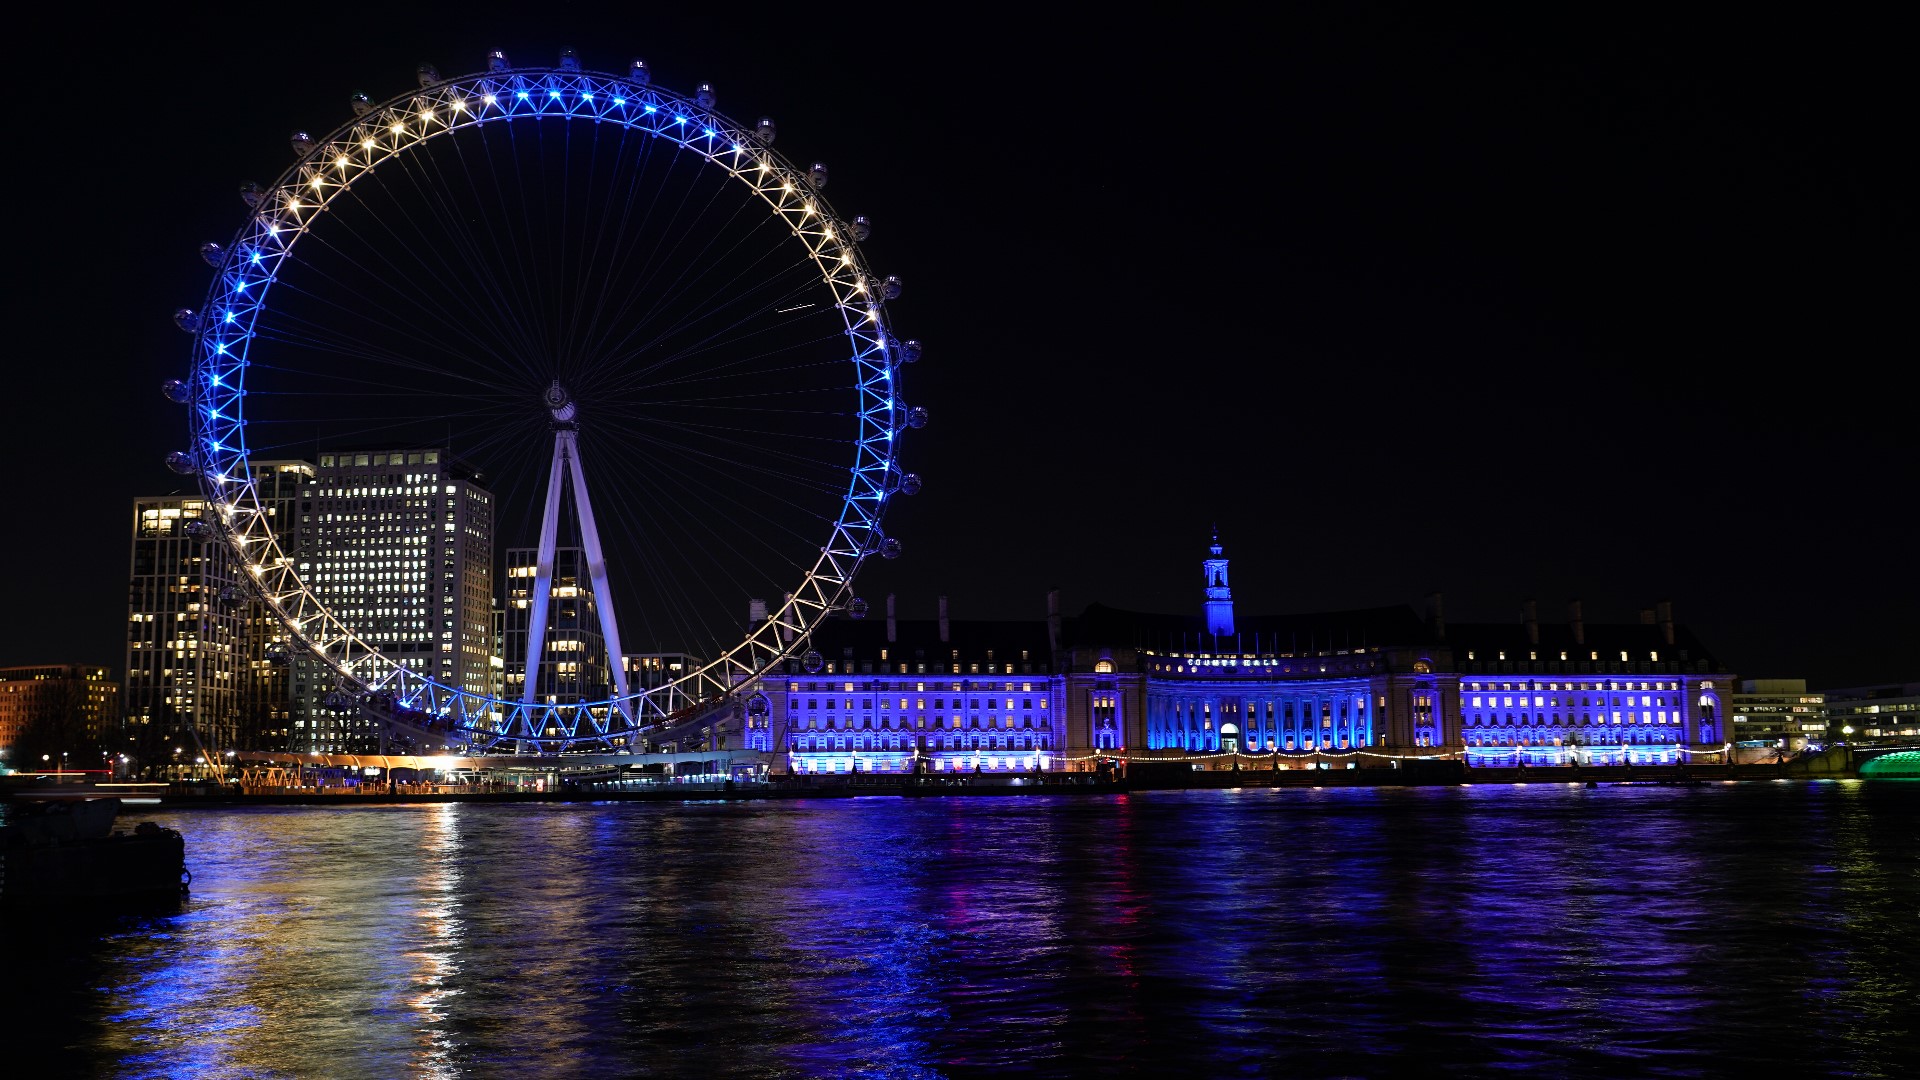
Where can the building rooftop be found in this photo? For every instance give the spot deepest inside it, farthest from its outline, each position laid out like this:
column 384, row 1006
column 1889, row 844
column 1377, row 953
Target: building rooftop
column 1323, row 631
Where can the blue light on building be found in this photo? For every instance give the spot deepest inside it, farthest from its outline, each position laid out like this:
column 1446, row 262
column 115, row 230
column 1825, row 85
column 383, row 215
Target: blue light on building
column 1362, row 688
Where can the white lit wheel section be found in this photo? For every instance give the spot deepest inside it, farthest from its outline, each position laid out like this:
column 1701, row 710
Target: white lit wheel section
column 423, row 277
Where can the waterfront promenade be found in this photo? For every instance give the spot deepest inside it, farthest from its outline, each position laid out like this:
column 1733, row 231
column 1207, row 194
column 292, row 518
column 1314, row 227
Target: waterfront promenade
column 559, row 787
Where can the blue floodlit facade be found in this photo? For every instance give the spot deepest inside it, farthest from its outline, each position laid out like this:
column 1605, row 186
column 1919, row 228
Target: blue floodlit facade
column 894, row 696
column 1363, row 688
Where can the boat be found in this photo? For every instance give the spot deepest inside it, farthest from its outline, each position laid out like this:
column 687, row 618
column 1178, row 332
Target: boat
column 67, row 853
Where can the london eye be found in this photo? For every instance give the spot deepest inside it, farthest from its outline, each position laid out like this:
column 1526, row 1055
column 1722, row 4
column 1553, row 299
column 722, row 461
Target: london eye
column 559, row 276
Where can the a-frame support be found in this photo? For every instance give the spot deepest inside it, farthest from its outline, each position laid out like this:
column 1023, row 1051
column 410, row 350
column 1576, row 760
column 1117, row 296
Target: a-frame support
column 566, row 459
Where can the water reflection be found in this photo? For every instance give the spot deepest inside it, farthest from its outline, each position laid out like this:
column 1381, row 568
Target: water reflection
column 1661, row 931
column 433, row 959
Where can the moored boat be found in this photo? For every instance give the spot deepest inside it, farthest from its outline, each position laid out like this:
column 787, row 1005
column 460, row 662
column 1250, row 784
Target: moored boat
column 68, row 853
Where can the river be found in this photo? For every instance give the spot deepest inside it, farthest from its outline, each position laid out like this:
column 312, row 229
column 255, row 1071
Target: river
column 1700, row 930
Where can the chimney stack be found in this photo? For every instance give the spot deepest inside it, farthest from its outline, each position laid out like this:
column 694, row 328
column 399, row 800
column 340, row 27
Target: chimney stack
column 756, row 612
column 1053, row 619
column 1646, row 616
column 1436, row 616
column 943, row 619
column 1579, row 622
column 1530, row 611
column 786, row 625
column 893, row 629
column 1664, row 612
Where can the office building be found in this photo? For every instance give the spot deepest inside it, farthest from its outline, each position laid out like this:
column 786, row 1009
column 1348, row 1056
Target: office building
column 397, row 544
column 1779, row 713
column 186, row 632
column 1883, row 713
column 75, row 707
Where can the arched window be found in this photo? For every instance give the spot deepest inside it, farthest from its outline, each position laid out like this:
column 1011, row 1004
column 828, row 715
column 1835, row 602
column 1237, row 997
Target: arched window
column 1103, row 667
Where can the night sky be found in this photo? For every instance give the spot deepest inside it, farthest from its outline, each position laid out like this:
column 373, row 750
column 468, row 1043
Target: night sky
column 1550, row 305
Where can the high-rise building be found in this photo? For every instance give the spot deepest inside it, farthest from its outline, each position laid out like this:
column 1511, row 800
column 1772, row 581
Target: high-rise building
column 185, row 636
column 573, row 655
column 397, row 544
column 1777, row 712
column 63, row 705
column 266, row 687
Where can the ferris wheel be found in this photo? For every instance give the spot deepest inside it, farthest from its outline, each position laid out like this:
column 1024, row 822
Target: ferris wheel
column 552, row 272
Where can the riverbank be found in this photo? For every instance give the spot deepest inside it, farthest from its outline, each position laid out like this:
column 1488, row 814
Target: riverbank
column 1049, row 784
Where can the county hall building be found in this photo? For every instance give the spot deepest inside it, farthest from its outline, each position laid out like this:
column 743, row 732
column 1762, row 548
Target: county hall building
column 1342, row 689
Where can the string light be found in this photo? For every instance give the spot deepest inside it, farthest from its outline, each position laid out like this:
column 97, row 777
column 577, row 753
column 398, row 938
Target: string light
column 363, row 662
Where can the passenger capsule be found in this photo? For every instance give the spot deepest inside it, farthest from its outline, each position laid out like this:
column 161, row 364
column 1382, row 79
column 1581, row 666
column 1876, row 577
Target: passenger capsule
column 909, row 350
column 212, row 254
column 228, row 594
column 198, row 530
column 339, row 701
column 917, row 417
column 187, row 319
column 176, row 391
column 361, row 104
column 638, row 73
column 276, row 652
column 764, row 131
column 856, row 608
column 569, row 60
column 251, row 193
column 704, row 96
column 427, row 74
column 183, row 462
column 910, row 484
column 812, row 662
column 817, row 175
column 497, row 61
column 861, row 229
column 890, row 288
column 301, row 142
column 890, row 549
column 758, row 705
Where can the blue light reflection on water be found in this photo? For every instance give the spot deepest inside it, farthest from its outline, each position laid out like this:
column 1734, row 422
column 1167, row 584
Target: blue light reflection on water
column 1662, row 931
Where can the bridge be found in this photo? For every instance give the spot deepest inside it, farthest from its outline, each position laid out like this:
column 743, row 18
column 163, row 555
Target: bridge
column 1887, row 762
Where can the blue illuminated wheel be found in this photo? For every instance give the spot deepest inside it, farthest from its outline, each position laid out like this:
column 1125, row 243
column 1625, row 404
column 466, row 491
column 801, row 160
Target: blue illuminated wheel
column 525, row 264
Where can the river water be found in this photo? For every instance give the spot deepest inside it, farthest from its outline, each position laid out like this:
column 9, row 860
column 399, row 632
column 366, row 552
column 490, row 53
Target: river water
column 1551, row 928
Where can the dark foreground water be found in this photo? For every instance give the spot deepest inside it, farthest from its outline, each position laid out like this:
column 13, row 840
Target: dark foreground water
column 1761, row 928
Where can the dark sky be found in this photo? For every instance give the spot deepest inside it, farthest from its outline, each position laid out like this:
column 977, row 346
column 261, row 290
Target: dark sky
column 1582, row 303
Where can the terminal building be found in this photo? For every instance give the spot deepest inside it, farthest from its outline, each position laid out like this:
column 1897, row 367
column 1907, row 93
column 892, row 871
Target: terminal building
column 1343, row 689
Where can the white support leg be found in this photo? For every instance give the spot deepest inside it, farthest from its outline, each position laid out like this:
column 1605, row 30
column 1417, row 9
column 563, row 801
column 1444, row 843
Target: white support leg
column 597, row 570
column 543, row 575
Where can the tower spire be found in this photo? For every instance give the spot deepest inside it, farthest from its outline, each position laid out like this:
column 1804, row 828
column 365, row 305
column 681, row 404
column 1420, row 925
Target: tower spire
column 1219, row 595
